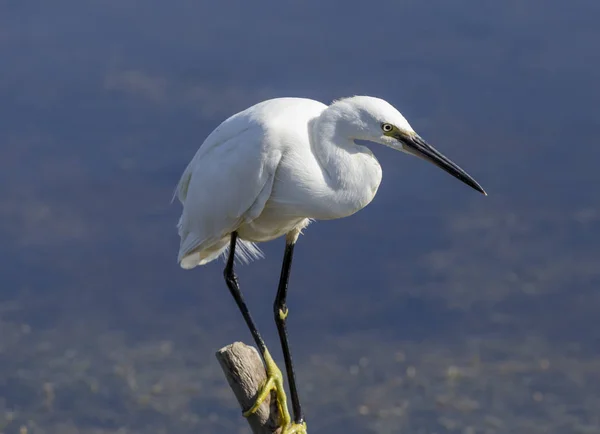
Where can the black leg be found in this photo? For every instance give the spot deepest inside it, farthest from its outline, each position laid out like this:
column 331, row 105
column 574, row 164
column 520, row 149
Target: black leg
column 281, row 311
column 234, row 288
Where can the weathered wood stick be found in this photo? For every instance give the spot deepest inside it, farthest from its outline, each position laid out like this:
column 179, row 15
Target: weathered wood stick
column 245, row 373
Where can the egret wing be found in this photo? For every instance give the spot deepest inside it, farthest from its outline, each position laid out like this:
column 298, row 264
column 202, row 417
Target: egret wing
column 227, row 183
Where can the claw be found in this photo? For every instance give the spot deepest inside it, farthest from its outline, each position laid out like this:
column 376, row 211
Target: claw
column 295, row 428
column 275, row 383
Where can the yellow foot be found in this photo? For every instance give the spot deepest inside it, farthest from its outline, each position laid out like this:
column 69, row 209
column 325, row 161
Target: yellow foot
column 294, row 428
column 275, row 382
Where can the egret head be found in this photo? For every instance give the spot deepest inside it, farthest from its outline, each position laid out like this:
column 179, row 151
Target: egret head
column 375, row 120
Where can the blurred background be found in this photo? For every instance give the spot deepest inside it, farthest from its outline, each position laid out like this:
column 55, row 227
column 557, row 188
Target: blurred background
column 434, row 310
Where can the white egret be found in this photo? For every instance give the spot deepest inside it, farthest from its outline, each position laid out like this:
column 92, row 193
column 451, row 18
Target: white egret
column 267, row 172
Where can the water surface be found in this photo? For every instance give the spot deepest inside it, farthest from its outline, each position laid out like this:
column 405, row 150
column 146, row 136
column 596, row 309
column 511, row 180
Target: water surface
column 105, row 102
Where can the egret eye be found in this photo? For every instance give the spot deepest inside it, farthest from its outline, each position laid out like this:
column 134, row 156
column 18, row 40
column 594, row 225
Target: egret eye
column 387, row 128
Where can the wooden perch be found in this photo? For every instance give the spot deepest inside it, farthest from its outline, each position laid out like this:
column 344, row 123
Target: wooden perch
column 245, row 373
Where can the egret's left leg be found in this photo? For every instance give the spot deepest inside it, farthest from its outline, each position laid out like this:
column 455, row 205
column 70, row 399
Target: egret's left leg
column 281, row 312
column 274, row 378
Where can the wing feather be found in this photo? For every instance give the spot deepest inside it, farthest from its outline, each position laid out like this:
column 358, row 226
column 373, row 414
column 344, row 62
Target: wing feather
column 228, row 182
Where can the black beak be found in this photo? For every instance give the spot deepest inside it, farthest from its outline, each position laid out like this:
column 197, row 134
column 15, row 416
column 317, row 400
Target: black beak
column 415, row 145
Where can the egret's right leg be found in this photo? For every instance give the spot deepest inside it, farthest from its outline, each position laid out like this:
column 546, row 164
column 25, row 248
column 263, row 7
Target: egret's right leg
column 274, row 376
column 281, row 313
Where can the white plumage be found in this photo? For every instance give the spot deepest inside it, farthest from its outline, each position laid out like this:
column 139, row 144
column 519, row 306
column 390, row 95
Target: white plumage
column 268, row 170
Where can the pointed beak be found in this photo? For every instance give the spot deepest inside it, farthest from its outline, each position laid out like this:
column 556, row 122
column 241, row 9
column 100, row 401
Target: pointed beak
column 418, row 147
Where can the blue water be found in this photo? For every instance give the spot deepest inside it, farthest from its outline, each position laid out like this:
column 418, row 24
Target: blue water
column 104, row 103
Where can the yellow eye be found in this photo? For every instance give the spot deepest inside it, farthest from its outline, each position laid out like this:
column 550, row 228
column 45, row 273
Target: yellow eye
column 387, row 128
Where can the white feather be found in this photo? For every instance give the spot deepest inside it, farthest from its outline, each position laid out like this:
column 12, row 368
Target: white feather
column 268, row 170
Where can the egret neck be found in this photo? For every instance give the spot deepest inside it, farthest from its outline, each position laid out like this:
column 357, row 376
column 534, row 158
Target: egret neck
column 351, row 171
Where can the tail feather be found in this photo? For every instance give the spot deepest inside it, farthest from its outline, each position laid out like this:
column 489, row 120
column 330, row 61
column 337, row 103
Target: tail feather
column 245, row 252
